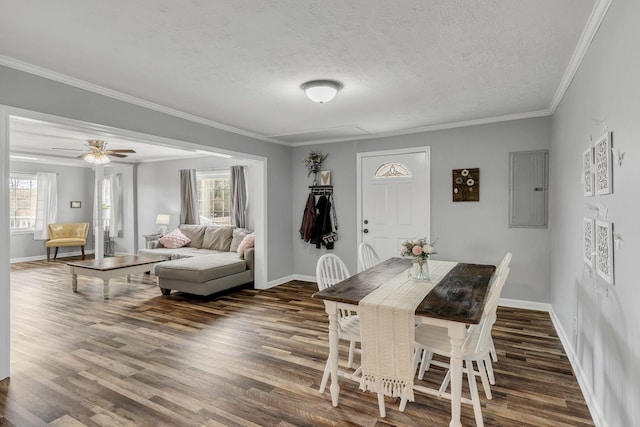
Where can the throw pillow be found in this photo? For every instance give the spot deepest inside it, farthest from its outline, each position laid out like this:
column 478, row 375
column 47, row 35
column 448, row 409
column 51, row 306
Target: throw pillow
column 247, row 242
column 218, row 238
column 175, row 239
column 194, row 232
column 238, row 236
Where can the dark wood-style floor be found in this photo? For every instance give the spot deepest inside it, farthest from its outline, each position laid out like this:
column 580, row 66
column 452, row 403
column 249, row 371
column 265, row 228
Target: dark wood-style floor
column 245, row 358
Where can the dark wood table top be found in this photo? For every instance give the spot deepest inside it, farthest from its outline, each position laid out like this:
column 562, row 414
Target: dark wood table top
column 116, row 262
column 459, row 296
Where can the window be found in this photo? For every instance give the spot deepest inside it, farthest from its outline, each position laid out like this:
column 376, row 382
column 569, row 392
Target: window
column 23, row 193
column 393, row 170
column 214, row 197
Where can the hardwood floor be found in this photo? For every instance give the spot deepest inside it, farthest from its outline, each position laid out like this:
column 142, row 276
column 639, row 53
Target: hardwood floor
column 244, row 358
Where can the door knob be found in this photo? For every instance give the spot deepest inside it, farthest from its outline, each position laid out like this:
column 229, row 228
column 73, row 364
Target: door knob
column 365, row 231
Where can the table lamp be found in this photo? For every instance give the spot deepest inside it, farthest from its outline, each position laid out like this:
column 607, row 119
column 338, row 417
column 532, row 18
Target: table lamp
column 162, row 220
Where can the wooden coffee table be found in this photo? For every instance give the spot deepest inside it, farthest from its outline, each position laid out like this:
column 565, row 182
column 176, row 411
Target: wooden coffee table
column 109, row 268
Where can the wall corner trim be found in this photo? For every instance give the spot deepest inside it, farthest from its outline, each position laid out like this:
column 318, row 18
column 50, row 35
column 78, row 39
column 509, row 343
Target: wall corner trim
column 587, row 391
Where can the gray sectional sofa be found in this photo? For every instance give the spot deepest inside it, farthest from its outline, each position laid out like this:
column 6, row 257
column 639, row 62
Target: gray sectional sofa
column 209, row 263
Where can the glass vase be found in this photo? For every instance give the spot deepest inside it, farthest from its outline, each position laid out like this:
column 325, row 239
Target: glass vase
column 420, row 269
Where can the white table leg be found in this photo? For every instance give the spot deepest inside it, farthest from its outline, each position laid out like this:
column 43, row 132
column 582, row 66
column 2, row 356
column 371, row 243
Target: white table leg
column 105, row 288
column 331, row 307
column 74, row 282
column 456, row 335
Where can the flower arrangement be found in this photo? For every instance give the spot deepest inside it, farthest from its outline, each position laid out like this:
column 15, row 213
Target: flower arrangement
column 418, row 249
column 313, row 161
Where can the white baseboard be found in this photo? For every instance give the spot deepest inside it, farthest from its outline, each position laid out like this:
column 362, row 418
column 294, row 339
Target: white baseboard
column 304, row 278
column 44, row 257
column 526, row 305
column 290, row 278
column 587, row 391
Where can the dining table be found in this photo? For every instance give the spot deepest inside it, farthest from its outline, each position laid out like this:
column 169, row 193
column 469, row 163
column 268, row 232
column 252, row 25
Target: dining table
column 455, row 302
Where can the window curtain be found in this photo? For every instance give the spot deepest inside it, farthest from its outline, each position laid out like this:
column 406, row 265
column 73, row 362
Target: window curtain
column 188, row 197
column 238, row 197
column 46, row 204
column 115, row 224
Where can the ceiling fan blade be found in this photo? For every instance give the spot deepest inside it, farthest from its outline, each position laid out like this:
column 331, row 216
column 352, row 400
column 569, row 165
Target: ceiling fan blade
column 108, row 153
column 120, row 151
column 83, row 155
column 66, row 149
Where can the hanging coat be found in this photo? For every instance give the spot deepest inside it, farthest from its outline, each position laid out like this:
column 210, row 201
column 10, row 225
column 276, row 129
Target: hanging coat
column 308, row 219
column 323, row 223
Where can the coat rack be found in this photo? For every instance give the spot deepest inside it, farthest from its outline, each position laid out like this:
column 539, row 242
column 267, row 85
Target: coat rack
column 321, row 190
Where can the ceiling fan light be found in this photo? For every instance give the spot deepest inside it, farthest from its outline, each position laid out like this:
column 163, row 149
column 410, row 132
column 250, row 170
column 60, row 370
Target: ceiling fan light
column 97, row 158
column 321, row 91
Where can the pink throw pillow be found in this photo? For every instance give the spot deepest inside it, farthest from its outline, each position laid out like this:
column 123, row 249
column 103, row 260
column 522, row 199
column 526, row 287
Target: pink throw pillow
column 248, row 242
column 175, row 239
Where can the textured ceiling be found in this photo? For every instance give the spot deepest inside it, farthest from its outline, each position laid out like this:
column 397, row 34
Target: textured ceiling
column 405, row 65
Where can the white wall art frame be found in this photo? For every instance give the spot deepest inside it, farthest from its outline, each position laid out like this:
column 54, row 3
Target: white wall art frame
column 588, row 240
column 603, row 159
column 588, row 172
column 604, row 250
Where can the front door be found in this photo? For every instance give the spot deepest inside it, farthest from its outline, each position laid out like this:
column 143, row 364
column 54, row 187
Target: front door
column 394, row 198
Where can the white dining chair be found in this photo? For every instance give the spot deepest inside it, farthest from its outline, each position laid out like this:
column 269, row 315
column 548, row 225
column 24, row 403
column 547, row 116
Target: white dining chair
column 367, row 256
column 329, row 271
column 506, row 260
column 425, row 361
column 475, row 348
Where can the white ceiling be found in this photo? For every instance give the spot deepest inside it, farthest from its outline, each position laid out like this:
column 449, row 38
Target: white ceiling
column 405, row 65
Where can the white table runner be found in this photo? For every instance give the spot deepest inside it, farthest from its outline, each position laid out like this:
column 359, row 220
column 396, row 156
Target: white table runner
column 387, row 323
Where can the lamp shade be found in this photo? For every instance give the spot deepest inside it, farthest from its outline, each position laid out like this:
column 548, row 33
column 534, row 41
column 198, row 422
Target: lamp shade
column 163, row 219
column 97, row 158
column 321, row 91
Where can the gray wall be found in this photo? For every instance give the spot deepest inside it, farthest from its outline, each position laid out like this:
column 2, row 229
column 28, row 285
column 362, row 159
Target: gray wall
column 606, row 342
column 475, row 232
column 74, row 183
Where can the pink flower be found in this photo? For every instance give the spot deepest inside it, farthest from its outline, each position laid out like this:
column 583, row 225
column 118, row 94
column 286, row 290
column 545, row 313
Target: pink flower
column 416, row 250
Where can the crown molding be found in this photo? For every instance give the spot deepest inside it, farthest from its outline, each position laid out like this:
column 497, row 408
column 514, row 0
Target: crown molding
column 431, row 128
column 100, row 90
column 597, row 16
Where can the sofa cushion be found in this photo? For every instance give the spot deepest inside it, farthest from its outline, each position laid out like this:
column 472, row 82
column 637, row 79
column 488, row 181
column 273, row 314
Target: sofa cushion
column 238, row 236
column 175, row 239
column 182, row 252
column 247, row 242
column 194, row 232
column 200, row 269
column 218, row 238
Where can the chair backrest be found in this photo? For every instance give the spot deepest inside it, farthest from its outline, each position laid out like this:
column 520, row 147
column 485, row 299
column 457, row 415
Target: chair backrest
column 367, row 256
column 504, row 263
column 330, row 270
column 478, row 338
column 76, row 230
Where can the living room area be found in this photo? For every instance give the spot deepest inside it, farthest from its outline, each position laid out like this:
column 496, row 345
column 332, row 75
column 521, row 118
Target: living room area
column 140, row 192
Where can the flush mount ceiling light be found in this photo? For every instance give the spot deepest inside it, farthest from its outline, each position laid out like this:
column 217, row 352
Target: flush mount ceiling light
column 321, row 91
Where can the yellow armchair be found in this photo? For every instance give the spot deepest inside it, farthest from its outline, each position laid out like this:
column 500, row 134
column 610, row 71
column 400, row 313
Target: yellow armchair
column 70, row 234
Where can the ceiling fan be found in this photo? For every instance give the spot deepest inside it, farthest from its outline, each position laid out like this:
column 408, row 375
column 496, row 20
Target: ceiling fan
column 98, row 152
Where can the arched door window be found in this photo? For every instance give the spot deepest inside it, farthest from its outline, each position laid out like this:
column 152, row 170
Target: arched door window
column 393, row 170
